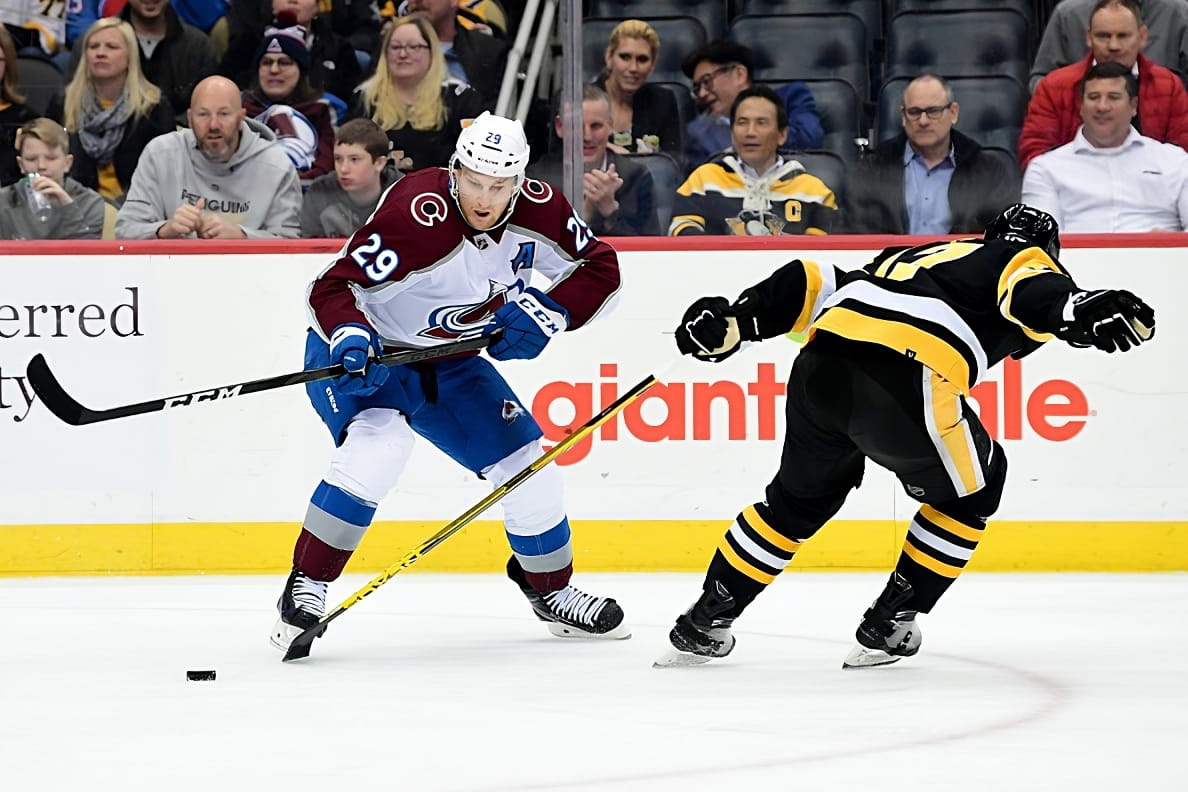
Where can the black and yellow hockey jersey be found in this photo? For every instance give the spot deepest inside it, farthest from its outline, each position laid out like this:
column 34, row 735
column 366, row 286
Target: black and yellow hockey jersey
column 721, row 198
column 958, row 307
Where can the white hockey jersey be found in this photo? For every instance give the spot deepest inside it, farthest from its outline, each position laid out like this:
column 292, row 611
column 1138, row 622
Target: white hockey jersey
column 420, row 276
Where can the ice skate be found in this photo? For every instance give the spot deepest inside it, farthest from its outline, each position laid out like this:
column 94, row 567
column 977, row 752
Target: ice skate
column 702, row 633
column 570, row 612
column 886, row 632
column 301, row 605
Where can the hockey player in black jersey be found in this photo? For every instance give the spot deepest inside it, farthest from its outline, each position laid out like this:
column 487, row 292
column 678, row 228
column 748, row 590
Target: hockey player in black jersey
column 892, row 352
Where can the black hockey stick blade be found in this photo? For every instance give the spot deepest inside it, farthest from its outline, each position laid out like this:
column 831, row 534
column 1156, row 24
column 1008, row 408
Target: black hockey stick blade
column 66, row 408
column 301, row 644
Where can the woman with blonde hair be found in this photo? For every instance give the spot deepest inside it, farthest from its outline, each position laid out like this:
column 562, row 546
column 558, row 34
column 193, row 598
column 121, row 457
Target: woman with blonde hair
column 413, row 99
column 644, row 117
column 13, row 110
column 111, row 110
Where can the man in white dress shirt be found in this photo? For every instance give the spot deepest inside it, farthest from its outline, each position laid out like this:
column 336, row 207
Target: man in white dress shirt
column 1110, row 177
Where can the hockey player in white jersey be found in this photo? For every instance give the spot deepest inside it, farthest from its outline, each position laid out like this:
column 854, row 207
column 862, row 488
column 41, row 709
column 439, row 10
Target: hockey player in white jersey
column 449, row 253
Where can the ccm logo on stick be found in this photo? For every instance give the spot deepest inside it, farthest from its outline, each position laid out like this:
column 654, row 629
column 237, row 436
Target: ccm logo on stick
column 200, row 396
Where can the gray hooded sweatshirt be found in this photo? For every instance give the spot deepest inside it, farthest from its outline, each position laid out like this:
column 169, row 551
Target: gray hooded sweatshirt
column 256, row 189
column 82, row 218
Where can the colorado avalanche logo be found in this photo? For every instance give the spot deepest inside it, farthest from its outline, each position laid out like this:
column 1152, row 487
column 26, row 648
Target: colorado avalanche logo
column 429, row 209
column 512, row 411
column 451, row 322
column 536, row 191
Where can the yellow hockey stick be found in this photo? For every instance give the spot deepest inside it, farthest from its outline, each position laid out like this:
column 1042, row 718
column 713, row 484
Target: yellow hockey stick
column 300, row 646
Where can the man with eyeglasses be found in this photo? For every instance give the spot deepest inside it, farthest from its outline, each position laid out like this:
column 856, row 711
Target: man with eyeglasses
column 930, row 179
column 471, row 55
column 720, row 71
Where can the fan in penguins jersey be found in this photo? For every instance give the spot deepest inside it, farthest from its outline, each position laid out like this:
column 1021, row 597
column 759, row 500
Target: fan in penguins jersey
column 893, row 350
column 450, row 253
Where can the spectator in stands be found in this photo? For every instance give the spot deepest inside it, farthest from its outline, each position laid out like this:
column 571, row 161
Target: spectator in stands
column 1110, row 177
column 202, row 14
column 74, row 212
column 421, row 109
column 471, row 55
column 644, row 117
column 223, row 178
column 753, row 190
column 282, row 100
column 617, row 193
column 1116, row 34
column 13, row 110
column 930, row 179
column 1064, row 36
column 174, row 56
column 110, row 110
column 333, row 66
column 35, row 25
column 720, row 71
column 339, row 202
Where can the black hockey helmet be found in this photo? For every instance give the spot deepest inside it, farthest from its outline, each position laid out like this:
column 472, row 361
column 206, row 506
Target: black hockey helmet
column 1023, row 223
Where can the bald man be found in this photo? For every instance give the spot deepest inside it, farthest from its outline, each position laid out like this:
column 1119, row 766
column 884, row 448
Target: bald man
column 224, row 178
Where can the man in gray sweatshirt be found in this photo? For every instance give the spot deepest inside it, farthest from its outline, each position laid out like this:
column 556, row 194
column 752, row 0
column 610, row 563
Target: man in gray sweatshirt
column 223, row 178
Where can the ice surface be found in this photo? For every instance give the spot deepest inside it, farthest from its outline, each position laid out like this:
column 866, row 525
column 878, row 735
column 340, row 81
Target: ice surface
column 447, row 682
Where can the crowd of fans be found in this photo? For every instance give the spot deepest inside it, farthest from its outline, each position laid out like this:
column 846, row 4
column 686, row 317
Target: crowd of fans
column 285, row 118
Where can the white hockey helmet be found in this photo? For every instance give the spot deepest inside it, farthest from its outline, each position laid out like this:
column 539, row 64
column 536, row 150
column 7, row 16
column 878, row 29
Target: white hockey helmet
column 494, row 146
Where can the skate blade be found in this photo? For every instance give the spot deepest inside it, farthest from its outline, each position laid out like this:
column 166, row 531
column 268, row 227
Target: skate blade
column 620, row 633
column 861, row 657
column 675, row 658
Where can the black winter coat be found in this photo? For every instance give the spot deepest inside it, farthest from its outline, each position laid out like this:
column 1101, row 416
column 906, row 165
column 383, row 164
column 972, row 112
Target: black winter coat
column 981, row 187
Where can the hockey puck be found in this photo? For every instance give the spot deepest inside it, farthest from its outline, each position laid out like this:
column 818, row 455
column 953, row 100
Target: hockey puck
column 200, row 676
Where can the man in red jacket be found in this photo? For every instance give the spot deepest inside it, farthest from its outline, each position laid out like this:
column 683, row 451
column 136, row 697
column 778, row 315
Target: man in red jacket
column 1117, row 34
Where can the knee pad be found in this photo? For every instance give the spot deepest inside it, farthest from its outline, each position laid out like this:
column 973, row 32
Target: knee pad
column 369, row 462
column 798, row 517
column 536, row 505
column 979, row 506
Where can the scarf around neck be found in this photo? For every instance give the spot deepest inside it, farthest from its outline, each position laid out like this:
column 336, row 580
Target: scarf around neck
column 102, row 129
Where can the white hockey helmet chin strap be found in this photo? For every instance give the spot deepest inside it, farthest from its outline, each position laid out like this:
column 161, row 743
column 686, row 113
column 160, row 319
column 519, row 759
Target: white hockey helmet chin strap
column 494, row 146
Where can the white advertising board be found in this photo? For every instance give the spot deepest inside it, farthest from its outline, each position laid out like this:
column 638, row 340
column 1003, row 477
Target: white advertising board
column 1089, row 436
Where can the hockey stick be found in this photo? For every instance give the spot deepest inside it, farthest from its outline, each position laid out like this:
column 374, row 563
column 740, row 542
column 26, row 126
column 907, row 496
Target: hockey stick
column 63, row 405
column 300, row 646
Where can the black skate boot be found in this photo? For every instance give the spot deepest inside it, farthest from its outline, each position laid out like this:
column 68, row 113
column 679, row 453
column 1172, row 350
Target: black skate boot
column 570, row 612
column 301, row 605
column 886, row 632
column 702, row 633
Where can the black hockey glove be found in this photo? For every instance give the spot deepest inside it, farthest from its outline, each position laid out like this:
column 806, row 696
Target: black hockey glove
column 1108, row 319
column 712, row 329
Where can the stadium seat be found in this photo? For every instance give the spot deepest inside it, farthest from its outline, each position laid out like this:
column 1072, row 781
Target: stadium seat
column 826, row 166
column 839, row 108
column 40, row 82
column 1025, row 7
column 686, row 104
column 666, row 177
column 869, row 11
column 991, row 109
column 711, row 13
column 806, row 47
column 679, row 35
column 958, row 44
